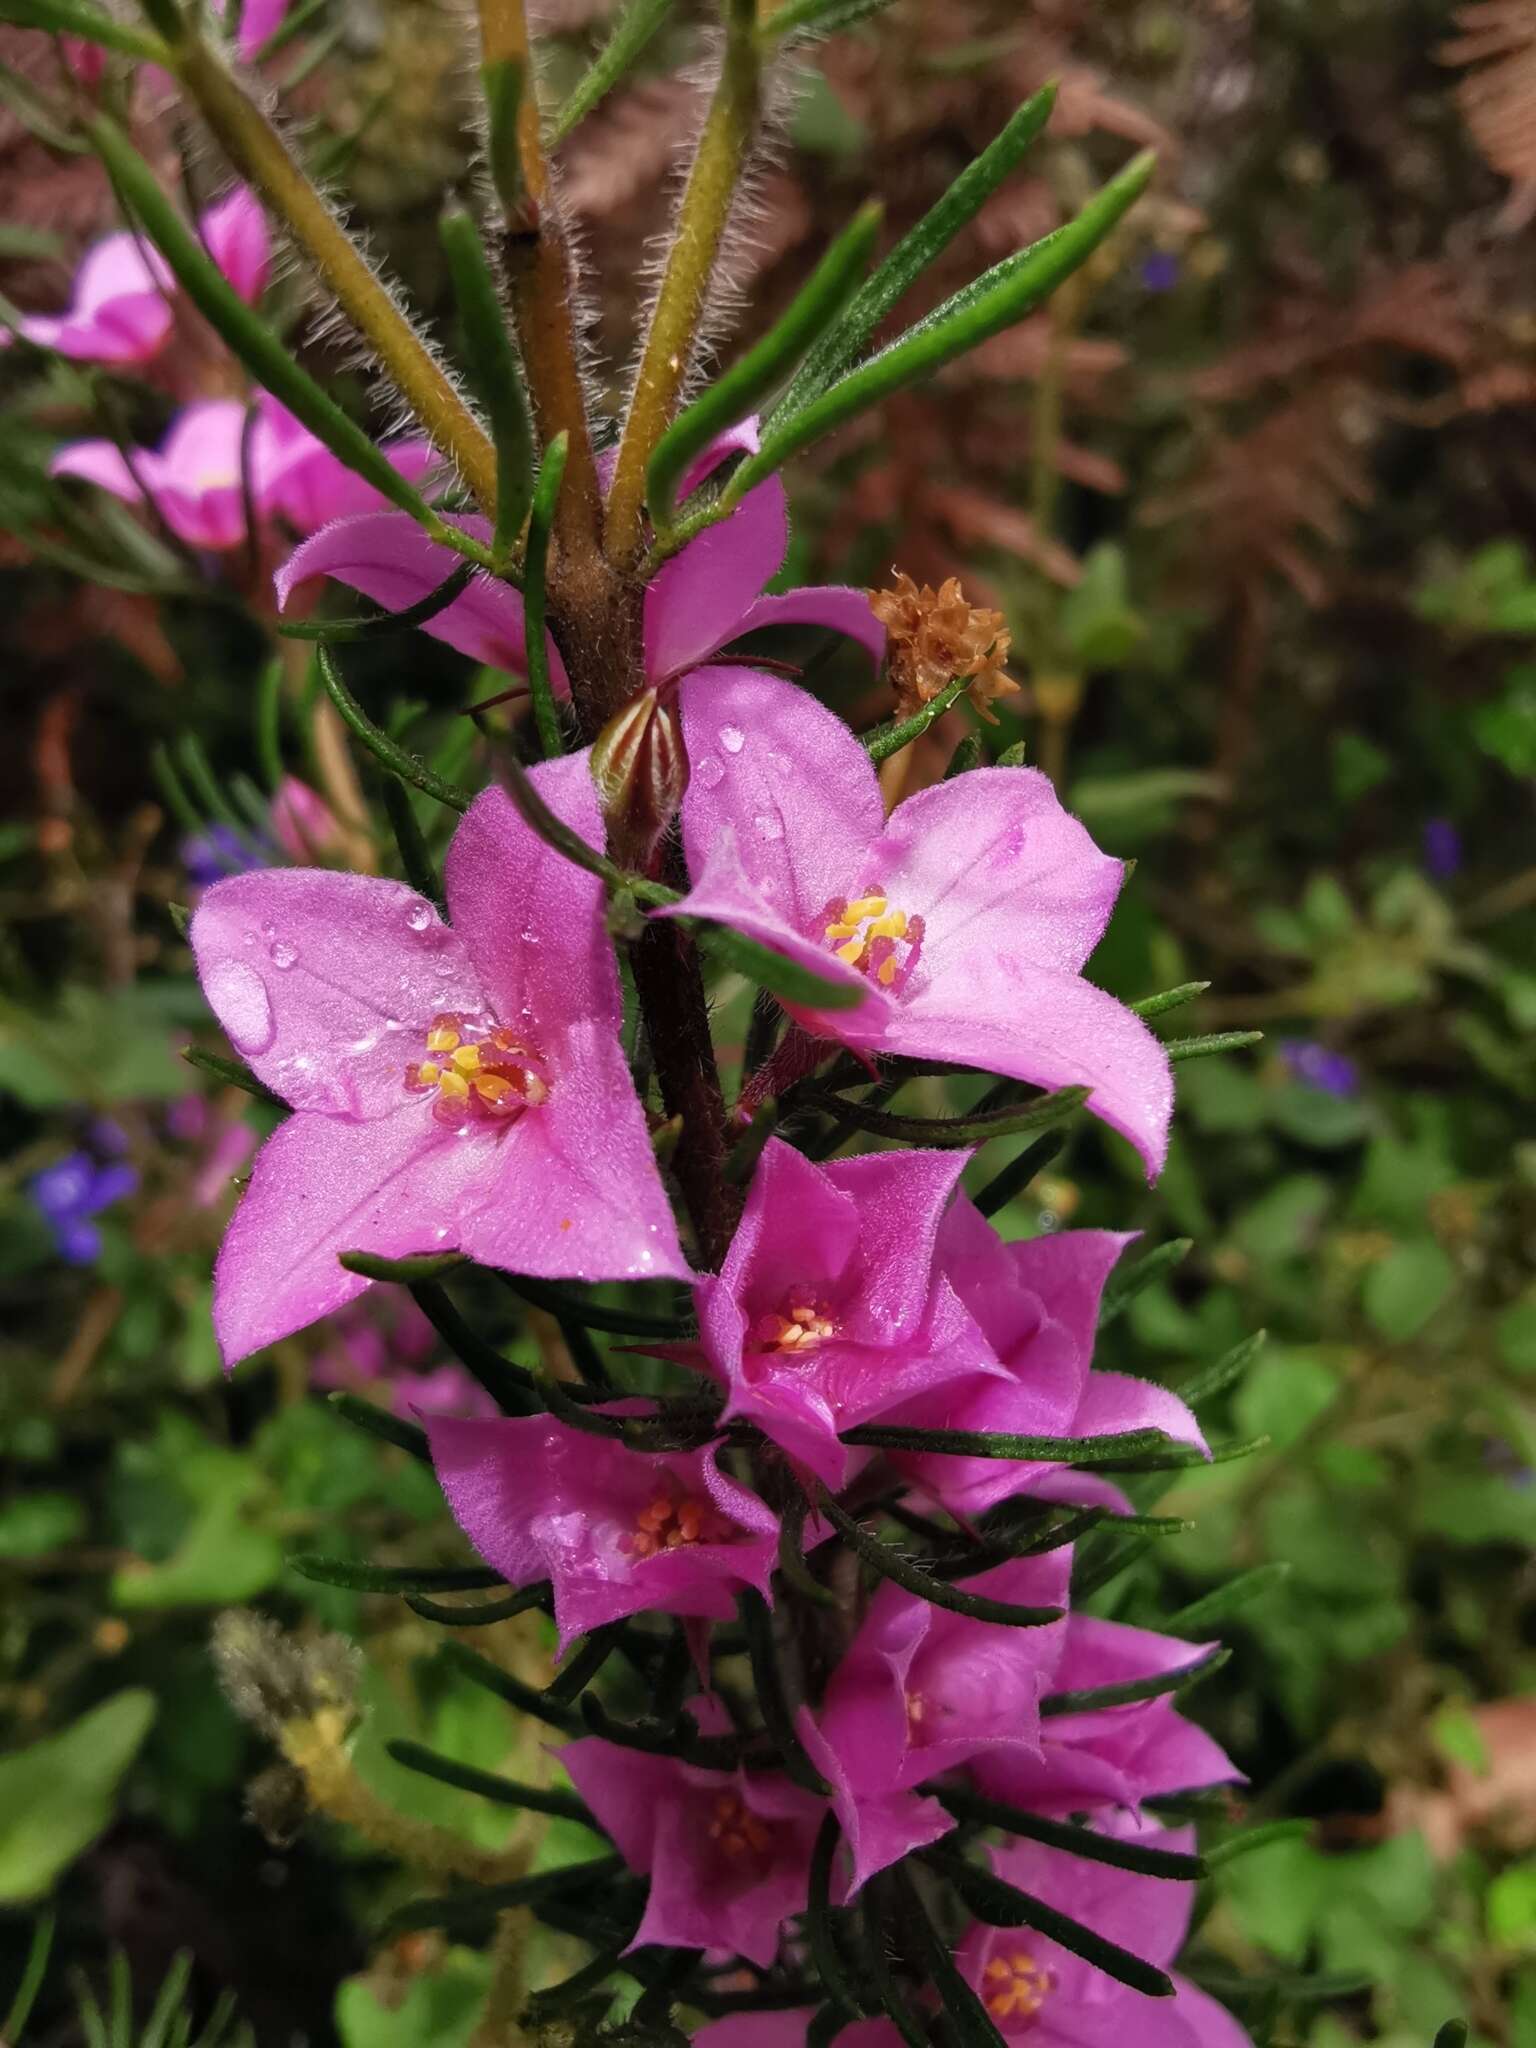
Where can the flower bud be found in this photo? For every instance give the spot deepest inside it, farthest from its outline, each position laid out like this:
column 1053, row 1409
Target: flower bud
column 639, row 767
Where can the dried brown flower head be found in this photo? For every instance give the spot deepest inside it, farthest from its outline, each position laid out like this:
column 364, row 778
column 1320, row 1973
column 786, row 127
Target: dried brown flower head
column 936, row 635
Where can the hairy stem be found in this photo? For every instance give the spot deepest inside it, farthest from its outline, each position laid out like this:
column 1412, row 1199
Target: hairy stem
column 540, row 284
column 706, row 205
column 260, row 154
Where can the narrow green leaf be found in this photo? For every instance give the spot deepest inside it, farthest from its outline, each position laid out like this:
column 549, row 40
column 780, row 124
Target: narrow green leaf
column 1003, row 1905
column 77, row 18
column 33, row 1971
column 234, row 1072
column 1170, row 999
column 583, row 1665
column 566, row 1305
column 773, row 1700
column 1017, row 1175
column 1122, row 1288
column 479, row 1613
column 407, row 1272
column 1224, row 1601
column 884, row 740
column 483, row 1902
column 1226, row 1371
column 570, row 1990
column 379, row 1422
column 385, row 750
column 783, row 978
column 269, row 359
column 167, row 2007
column 1179, row 1457
column 415, row 858
column 1452, row 2035
column 526, row 1698
column 894, row 2002
column 792, row 1564
column 969, row 754
column 511, row 1386
column 972, row 2024
column 825, row 1953
column 1061, row 1834
column 631, row 33
column 995, row 302
column 1033, row 1450
column 915, row 251
column 1257, row 1838
column 1210, row 1042
column 541, row 520
column 345, row 632
column 972, row 1129
column 504, row 84
column 1093, row 1698
column 359, row 1577
column 743, row 387
column 710, row 1752
column 890, row 1564
column 495, row 376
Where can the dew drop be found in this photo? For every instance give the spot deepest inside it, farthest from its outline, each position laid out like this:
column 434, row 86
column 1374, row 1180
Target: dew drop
column 769, row 825
column 282, row 955
column 732, row 738
column 239, row 997
column 418, row 916
column 708, row 771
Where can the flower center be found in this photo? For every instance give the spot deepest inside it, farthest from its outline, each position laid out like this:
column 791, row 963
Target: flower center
column 673, row 1520
column 475, row 1076
column 798, row 1327
column 866, row 933
column 739, row 1833
column 1016, row 1986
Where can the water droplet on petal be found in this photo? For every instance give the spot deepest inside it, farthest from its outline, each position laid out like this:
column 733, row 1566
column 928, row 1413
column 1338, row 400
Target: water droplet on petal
column 418, row 916
column 282, row 955
column 732, row 738
column 239, row 996
column 769, row 825
column 708, row 771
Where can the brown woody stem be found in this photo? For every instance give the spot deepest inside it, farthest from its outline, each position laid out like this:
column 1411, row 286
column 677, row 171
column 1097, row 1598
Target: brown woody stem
column 701, row 221
column 260, row 154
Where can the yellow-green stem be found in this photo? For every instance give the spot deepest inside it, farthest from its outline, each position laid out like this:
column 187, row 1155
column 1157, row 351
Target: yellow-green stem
column 539, row 282
column 701, row 222
column 259, row 152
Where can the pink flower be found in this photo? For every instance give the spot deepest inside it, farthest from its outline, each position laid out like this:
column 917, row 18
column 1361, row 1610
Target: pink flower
column 829, row 1309
column 616, row 1531
column 1037, row 1304
column 236, row 236
column 119, row 309
column 310, row 487
column 454, row 1088
column 193, row 477
column 1042, row 1994
column 921, row 1691
column 708, row 595
column 728, row 1853
column 259, row 21
column 384, row 1345
column 966, row 917
column 303, row 823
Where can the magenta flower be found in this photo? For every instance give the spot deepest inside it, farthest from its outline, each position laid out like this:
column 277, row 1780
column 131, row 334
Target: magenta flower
column 615, row 1531
column 966, row 917
column 310, row 486
column 302, row 822
column 708, row 595
column 921, row 1691
column 193, row 477
column 236, row 236
column 830, row 1309
column 454, row 1087
column 259, row 20
column 119, row 310
column 384, row 1345
column 1042, row 1994
column 1037, row 1304
column 728, row 1853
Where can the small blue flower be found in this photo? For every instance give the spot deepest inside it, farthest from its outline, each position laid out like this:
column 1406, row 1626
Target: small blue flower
column 1160, row 271
column 69, row 1193
column 1441, row 846
column 219, row 851
column 1320, row 1067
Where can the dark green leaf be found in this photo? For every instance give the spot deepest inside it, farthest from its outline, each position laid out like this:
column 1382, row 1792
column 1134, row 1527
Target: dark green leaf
column 1003, row 1905
column 631, row 33
column 489, row 1785
column 386, row 751
column 1094, row 1847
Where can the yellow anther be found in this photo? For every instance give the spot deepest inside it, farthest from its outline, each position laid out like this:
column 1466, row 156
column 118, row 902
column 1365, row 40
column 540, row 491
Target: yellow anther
column 885, row 973
column 442, row 1037
column 453, row 1087
column 467, row 1059
column 852, row 951
column 429, row 1073
column 1019, row 1986
column 802, row 1315
column 892, row 926
column 865, row 906
column 841, row 931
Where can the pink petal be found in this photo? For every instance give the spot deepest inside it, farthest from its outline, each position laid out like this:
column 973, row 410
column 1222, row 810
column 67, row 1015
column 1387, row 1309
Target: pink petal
column 1114, row 1401
column 626, row 1790
column 697, row 601
column 901, row 1199
column 326, row 982
column 236, row 236
column 120, row 266
column 1009, row 1015
column 482, row 1468
column 322, row 1186
column 790, row 780
column 1067, row 1269
column 100, row 463
column 1148, row 1915
column 831, row 605
column 259, row 21
column 1210, row 2024
column 995, row 866
column 387, row 557
column 878, row 1828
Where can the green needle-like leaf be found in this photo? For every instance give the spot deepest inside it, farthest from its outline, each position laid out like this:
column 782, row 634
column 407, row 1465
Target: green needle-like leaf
column 1003, row 1905
column 631, row 33
column 890, row 1564
column 387, row 752
column 494, row 374
column 1224, row 1601
column 1170, row 999
column 234, row 1072
column 1212, row 1042
column 1122, row 1288
column 379, row 1422
column 541, row 519
column 1225, row 1372
column 957, row 1130
column 966, row 1805
column 359, row 1577
column 1092, row 1699
column 78, row 18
